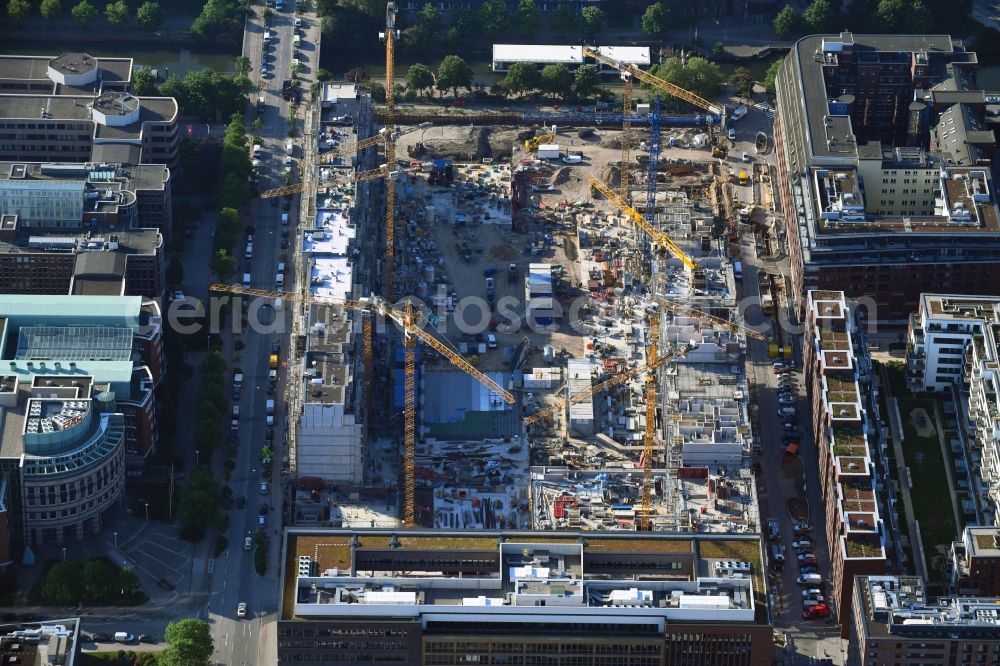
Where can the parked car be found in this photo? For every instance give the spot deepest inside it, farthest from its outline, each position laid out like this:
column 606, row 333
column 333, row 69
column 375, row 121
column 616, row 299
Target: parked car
column 808, row 562
column 799, row 544
column 811, row 592
column 241, row 609
column 166, row 584
column 147, row 638
column 817, row 612
column 262, row 510
column 100, row 638
column 786, row 400
column 801, row 527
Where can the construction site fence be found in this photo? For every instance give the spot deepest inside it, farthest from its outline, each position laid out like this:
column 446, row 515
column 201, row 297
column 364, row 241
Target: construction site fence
column 558, row 119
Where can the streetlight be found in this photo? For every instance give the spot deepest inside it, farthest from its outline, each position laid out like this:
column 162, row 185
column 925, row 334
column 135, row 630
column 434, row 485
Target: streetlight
column 146, row 504
column 64, row 554
column 197, row 457
column 116, row 540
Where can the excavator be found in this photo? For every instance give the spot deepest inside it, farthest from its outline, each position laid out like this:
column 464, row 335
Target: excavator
column 531, row 145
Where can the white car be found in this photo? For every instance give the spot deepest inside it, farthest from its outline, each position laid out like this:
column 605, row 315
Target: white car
column 298, row 22
column 801, row 544
column 732, row 134
column 176, row 296
column 746, row 156
column 248, row 543
column 786, row 400
column 241, row 609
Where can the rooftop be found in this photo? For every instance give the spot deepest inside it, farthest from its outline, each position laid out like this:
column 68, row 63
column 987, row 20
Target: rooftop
column 66, row 107
column 898, row 606
column 52, row 641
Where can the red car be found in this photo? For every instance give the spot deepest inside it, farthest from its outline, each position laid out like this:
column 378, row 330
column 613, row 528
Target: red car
column 808, row 562
column 817, row 612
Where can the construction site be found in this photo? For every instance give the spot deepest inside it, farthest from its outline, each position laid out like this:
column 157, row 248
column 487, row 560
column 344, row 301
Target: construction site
column 526, row 324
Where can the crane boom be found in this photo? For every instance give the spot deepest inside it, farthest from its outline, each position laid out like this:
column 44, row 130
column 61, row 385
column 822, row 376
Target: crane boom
column 596, row 389
column 654, row 233
column 657, row 82
column 379, row 306
column 707, row 318
column 649, row 437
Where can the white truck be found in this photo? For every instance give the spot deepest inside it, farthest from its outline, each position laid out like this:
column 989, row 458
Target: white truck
column 549, row 151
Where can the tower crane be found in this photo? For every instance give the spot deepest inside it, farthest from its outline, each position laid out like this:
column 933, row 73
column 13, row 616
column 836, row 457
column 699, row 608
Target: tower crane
column 653, row 167
column 658, row 236
column 613, row 381
column 657, row 82
column 626, row 173
column 412, row 324
column 389, row 36
column 704, row 317
column 378, row 172
column 649, row 436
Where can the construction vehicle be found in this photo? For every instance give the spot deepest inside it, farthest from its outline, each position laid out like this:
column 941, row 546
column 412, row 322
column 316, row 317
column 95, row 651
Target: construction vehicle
column 531, row 145
column 412, row 324
column 656, row 235
column 720, row 151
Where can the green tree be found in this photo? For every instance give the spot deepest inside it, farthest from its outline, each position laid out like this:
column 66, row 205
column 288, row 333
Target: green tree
column 718, row 48
column 919, row 19
column 150, row 15
column 890, row 15
column 528, row 18
column 243, row 66
column 425, row 34
column 189, row 643
column 420, row 78
column 587, row 81
column 557, row 80
column 128, row 582
column 144, row 83
column 198, row 507
column 564, row 19
column 591, row 21
column 698, row 75
column 175, row 271
column 493, row 17
column 265, row 453
column 821, row 16
column 84, row 12
column 740, row 81
column 18, row 10
column 217, row 17
column 116, row 11
column 224, row 265
column 786, row 23
column 63, row 584
column 659, row 18
column 100, row 584
column 454, row 73
column 51, row 9
column 324, row 75
column 772, row 74
column 522, row 77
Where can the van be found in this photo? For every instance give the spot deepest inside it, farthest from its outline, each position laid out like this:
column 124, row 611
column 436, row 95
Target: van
column 249, row 252
column 491, row 341
column 278, row 304
column 738, row 270
column 124, row 637
column 812, row 580
column 257, row 150
column 290, row 147
column 281, row 267
column 284, row 218
column 777, row 557
column 296, row 41
column 279, row 279
column 246, row 279
column 267, row 35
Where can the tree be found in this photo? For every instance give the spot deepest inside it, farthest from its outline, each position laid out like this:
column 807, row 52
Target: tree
column 420, row 78
column 84, row 12
column 356, row 75
column 528, row 18
column 144, row 83
column 100, row 584
column 718, row 48
column 265, row 453
column 199, row 500
column 493, row 17
column 63, row 584
column 454, row 73
column 150, row 15
column 522, row 77
column 564, row 19
column 771, row 76
column 591, row 21
column 224, row 265
column 587, row 81
column 18, row 10
column 557, row 80
column 324, row 75
column 698, row 75
column 51, row 9
column 658, row 18
column 189, row 643
column 919, row 20
column 786, row 23
column 218, row 17
column 741, row 80
column 175, row 271
column 116, row 11
column 821, row 16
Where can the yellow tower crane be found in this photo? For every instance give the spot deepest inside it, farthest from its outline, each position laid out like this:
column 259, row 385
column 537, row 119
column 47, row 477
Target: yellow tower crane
column 655, row 234
column 706, row 318
column 389, row 36
column 649, row 437
column 657, row 82
column 626, row 170
column 412, row 324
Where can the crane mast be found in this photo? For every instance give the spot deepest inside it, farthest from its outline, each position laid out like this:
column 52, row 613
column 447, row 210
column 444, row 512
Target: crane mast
column 649, row 438
column 390, row 146
column 626, row 175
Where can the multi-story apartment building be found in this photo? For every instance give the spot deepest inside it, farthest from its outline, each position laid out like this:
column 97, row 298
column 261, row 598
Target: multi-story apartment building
column 77, row 403
column 883, row 153
column 893, row 622
column 838, row 376
column 953, row 344
column 83, row 228
column 77, row 108
column 459, row 597
column 974, row 562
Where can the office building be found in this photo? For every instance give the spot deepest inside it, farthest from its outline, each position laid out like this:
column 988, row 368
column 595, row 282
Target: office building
column 953, row 346
column 77, row 403
column 45, row 643
column 93, row 229
column 838, row 386
column 893, row 622
column 884, row 147
column 454, row 597
column 78, row 108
